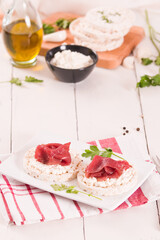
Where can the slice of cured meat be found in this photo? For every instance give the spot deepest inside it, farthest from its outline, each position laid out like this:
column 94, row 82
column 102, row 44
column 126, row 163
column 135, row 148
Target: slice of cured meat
column 103, row 168
column 53, row 153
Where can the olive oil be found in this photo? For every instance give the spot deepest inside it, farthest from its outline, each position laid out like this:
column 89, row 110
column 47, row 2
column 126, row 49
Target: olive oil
column 23, row 41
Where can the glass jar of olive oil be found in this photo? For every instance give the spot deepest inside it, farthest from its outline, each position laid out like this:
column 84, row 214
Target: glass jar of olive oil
column 22, row 33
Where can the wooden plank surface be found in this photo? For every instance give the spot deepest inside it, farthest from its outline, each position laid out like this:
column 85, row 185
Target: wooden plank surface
column 5, row 101
column 149, row 97
column 47, row 107
column 63, row 229
column 135, row 223
column 5, row 116
column 108, row 107
column 98, row 107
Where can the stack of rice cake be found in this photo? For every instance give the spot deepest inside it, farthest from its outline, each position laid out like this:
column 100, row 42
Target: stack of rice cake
column 102, row 29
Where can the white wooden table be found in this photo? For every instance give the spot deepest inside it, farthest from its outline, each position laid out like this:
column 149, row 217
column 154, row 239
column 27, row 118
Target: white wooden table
column 96, row 108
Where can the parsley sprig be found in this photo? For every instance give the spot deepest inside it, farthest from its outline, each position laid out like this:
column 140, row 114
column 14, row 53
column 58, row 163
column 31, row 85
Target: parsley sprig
column 48, row 28
column 32, row 79
column 146, row 61
column 93, row 151
column 153, row 34
column 63, row 23
column 70, row 189
column 147, row 81
column 15, row 81
column 19, row 82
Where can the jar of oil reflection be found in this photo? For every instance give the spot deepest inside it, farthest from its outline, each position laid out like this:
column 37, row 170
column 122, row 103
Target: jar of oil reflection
column 22, row 33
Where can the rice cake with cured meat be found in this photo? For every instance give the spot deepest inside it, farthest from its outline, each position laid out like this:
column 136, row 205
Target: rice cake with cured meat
column 50, row 173
column 108, row 187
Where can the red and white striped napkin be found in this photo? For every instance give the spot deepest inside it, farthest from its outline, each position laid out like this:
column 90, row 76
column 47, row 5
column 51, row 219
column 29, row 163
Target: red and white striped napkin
column 23, row 204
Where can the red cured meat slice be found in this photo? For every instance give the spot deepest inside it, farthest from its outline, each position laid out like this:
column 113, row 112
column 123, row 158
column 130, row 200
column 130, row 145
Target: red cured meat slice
column 103, row 168
column 53, row 153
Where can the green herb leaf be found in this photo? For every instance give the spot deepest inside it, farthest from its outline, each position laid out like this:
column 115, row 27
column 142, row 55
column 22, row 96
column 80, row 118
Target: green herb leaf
column 146, row 61
column 19, row 82
column 155, row 80
column 63, row 23
column 16, row 81
column 48, row 28
column 157, row 61
column 144, row 82
column 109, row 149
column 57, row 187
column 106, row 19
column 70, row 189
column 32, row 79
column 147, row 81
column 92, row 152
column 101, row 12
column 87, row 153
column 94, row 148
column 95, row 151
column 108, row 153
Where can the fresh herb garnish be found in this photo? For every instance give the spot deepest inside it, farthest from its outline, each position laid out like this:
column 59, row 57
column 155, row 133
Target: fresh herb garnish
column 105, row 18
column 63, row 23
column 16, row 81
column 32, row 79
column 93, row 151
column 157, row 61
column 146, row 61
column 147, row 81
column 101, row 12
column 19, row 82
column 48, row 28
column 70, row 189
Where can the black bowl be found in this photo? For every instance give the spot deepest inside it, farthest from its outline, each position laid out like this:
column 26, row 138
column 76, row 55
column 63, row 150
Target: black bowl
column 71, row 75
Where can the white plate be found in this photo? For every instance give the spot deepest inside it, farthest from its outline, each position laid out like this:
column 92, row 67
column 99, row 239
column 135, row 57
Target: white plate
column 13, row 167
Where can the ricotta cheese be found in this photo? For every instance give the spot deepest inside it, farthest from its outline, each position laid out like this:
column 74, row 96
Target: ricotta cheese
column 71, row 60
